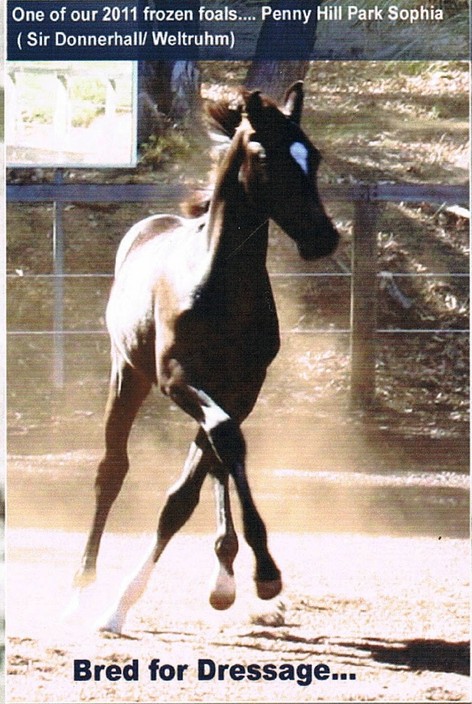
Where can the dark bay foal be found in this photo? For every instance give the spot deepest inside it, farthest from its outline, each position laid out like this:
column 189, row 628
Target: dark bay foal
column 191, row 310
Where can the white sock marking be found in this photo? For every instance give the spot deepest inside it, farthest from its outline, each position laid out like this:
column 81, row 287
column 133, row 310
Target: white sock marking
column 134, row 587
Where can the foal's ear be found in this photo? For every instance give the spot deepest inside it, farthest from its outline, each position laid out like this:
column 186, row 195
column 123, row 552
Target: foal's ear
column 293, row 102
column 253, row 104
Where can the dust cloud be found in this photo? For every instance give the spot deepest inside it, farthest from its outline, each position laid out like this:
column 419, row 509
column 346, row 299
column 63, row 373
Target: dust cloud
column 313, row 464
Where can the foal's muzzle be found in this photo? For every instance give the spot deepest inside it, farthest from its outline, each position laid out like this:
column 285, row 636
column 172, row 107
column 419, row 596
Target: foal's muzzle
column 321, row 244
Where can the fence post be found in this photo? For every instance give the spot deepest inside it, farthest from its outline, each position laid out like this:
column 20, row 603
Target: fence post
column 58, row 259
column 61, row 118
column 110, row 98
column 11, row 99
column 363, row 302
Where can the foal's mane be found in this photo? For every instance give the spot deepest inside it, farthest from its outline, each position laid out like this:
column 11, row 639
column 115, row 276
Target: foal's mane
column 224, row 116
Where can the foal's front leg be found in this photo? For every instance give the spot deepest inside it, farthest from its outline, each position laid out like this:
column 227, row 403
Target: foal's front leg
column 223, row 592
column 267, row 576
column 228, row 443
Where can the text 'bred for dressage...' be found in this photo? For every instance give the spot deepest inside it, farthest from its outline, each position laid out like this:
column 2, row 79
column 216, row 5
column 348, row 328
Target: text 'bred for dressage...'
column 302, row 674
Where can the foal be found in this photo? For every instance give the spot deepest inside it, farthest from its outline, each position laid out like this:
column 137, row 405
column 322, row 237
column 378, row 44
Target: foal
column 192, row 310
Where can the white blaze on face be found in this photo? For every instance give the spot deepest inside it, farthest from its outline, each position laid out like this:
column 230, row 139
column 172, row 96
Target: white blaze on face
column 300, row 153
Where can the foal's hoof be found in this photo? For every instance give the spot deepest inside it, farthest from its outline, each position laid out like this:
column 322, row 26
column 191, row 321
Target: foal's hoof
column 111, row 622
column 83, row 578
column 269, row 589
column 72, row 610
column 221, row 601
column 79, row 605
column 223, row 593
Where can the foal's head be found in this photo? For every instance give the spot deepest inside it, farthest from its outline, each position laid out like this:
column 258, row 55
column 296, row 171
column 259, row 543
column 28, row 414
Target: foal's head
column 279, row 166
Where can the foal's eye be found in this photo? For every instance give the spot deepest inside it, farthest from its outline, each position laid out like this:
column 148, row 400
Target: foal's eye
column 299, row 153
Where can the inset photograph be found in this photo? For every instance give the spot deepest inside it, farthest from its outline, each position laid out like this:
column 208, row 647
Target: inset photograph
column 87, row 102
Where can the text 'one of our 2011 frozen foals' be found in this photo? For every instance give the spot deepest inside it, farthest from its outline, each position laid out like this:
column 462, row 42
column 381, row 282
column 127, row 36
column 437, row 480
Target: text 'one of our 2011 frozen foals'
column 187, row 29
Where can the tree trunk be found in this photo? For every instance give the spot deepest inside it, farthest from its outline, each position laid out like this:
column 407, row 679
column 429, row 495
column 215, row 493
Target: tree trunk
column 274, row 77
column 283, row 50
column 167, row 90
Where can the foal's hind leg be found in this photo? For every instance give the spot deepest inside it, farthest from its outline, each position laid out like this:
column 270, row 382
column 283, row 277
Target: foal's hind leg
column 182, row 498
column 127, row 392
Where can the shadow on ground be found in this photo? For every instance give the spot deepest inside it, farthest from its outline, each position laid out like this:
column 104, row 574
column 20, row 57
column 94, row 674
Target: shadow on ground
column 420, row 654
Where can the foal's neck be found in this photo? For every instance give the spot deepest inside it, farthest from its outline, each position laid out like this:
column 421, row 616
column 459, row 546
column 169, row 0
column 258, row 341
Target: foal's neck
column 236, row 229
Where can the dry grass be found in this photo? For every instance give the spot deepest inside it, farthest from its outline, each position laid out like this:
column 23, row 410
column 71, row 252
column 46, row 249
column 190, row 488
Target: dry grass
column 396, row 121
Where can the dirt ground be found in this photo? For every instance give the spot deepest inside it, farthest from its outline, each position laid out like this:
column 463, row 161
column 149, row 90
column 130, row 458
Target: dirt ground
column 391, row 612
